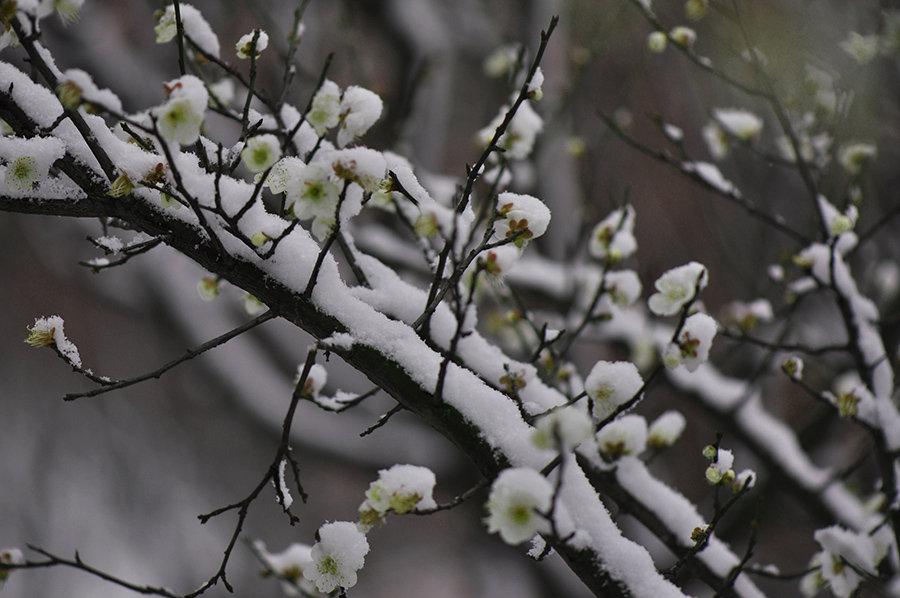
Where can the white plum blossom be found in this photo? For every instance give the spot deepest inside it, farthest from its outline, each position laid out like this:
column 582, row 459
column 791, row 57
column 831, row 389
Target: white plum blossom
column 428, row 223
column 519, row 137
column 673, row 133
column 314, row 195
column 289, row 566
column 517, row 498
column 325, row 112
column 337, row 556
column 719, row 470
column 76, row 86
column 252, row 305
column 570, row 426
column 613, row 237
column 499, row 62
column 855, row 156
column 742, row 124
column 696, row 9
column 816, row 258
column 823, row 88
column 623, row 437
column 852, row 398
column 223, row 91
column 838, row 222
column 321, row 228
column 716, row 141
column 261, row 152
column 495, row 262
column 775, row 272
column 666, row 429
column 359, row 110
column 683, row 36
column 315, row 380
column 166, row 27
column 524, row 218
column 535, row 86
column 623, row 287
column 68, row 10
column 50, row 332
column 208, row 288
column 793, row 367
column 677, row 287
column 829, row 571
column 859, row 549
column 400, row 489
column 657, row 41
column 180, row 118
column 9, row 556
column 611, row 384
column 746, row 316
column 259, row 239
column 195, row 27
column 694, row 341
column 862, row 48
column 284, row 174
column 843, row 554
column 28, row 161
column 245, row 46
column 361, row 165
column 814, row 149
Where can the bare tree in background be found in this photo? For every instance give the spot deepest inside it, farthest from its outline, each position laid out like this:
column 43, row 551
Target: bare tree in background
column 388, row 267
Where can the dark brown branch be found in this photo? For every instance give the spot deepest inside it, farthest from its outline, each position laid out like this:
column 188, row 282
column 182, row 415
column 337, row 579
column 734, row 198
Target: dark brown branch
column 188, row 355
column 701, row 62
column 707, row 532
column 780, row 346
column 784, row 121
column 383, row 419
column 295, row 307
column 128, row 253
column 634, row 400
column 434, row 296
column 456, row 501
column 775, row 222
column 76, row 563
column 37, row 60
column 348, row 403
column 605, row 482
column 179, row 26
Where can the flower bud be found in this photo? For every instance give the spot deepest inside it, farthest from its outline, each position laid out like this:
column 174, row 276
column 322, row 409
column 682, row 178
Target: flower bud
column 69, row 94
column 121, row 186
column 696, row 9
column 259, row 239
column 657, row 42
column 683, row 36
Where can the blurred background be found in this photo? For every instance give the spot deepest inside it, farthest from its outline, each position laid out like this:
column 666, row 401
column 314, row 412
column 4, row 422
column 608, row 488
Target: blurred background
column 122, row 478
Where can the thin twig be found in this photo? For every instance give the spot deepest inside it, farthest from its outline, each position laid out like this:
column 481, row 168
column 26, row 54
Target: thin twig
column 188, row 355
